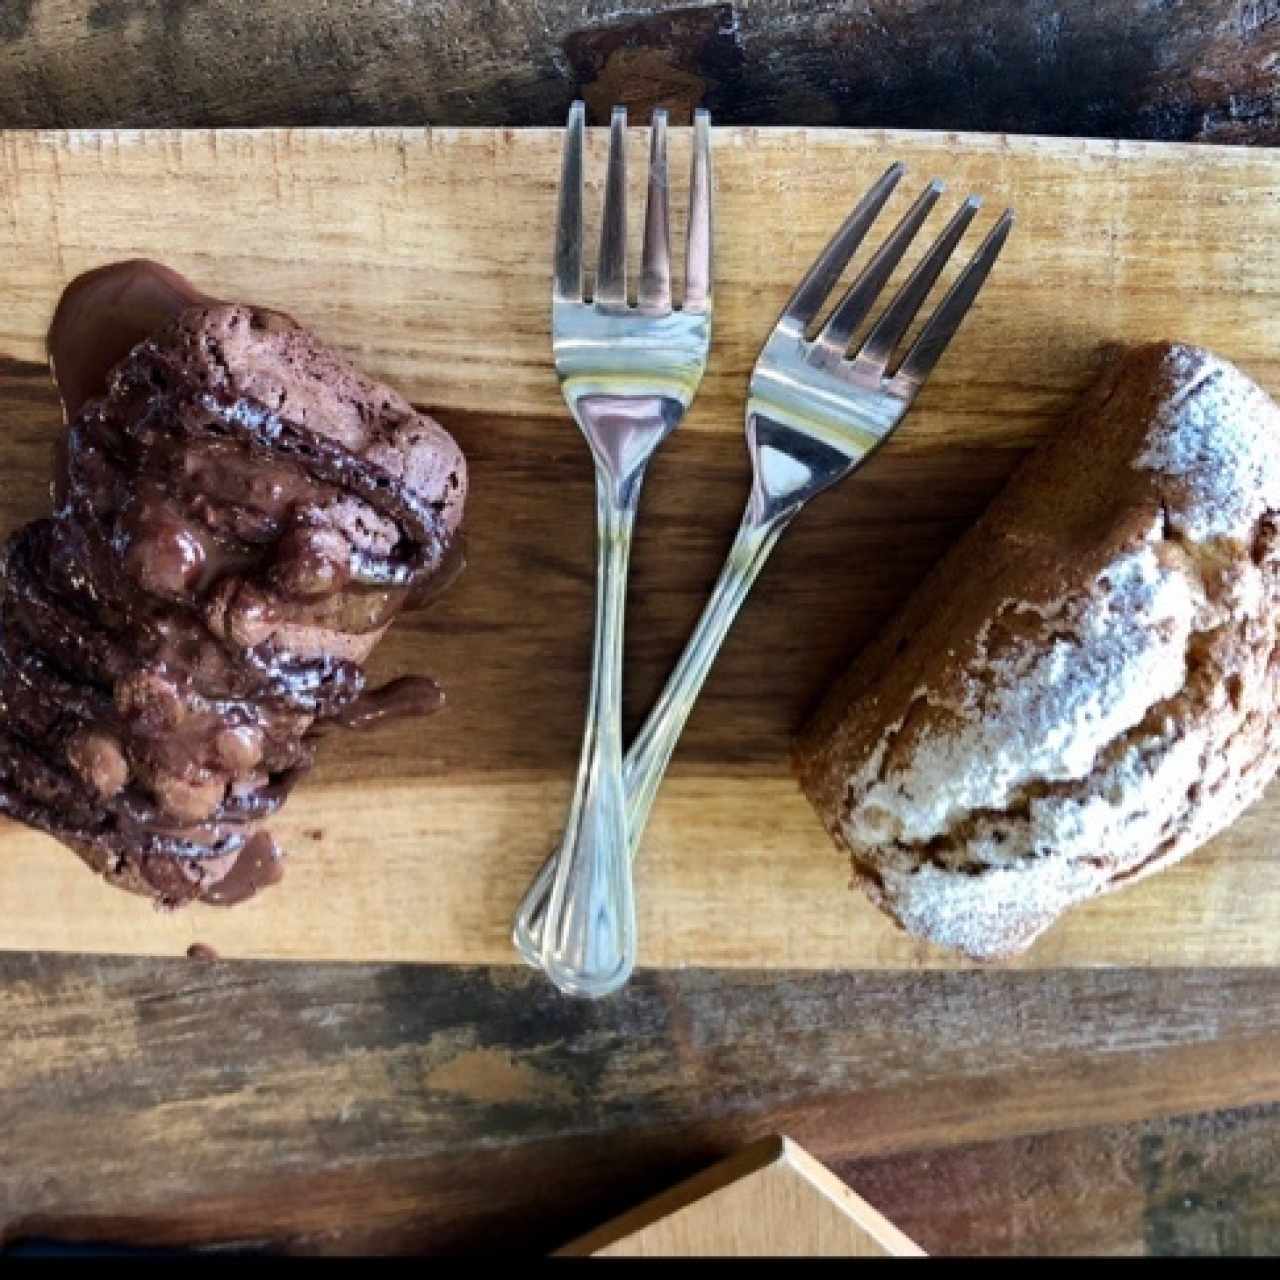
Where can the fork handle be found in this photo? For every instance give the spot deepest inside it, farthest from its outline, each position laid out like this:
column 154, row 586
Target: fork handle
column 588, row 944
column 646, row 762
column 650, row 754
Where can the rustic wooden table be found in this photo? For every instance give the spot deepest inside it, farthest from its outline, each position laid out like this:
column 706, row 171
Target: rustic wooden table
column 393, row 1108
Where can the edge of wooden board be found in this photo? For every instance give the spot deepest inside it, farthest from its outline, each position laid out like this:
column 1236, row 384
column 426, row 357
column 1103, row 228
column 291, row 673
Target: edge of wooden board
column 89, row 137
column 893, row 1240
column 1218, row 907
column 342, row 897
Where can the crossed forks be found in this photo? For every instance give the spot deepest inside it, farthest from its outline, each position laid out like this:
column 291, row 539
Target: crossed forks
column 815, row 411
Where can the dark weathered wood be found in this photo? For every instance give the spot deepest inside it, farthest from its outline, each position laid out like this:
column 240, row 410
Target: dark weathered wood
column 1201, row 69
column 396, row 1108
column 1201, row 1185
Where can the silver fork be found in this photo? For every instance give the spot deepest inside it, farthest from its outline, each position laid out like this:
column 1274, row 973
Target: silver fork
column 628, row 374
column 815, row 412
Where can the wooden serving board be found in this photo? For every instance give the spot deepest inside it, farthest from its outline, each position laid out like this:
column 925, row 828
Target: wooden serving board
column 425, row 255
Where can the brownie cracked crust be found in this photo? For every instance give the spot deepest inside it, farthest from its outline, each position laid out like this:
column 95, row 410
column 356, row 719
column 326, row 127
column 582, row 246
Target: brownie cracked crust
column 238, row 516
column 1084, row 690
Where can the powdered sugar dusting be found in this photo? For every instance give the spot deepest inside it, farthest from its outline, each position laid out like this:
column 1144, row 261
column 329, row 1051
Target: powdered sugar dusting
column 996, row 913
column 1043, row 712
column 1219, row 438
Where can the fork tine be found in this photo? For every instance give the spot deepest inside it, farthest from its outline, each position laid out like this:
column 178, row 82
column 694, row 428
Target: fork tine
column 832, row 343
column 568, row 263
column 820, row 279
column 611, row 273
column 941, row 326
column 888, row 330
column 655, row 269
column 698, row 247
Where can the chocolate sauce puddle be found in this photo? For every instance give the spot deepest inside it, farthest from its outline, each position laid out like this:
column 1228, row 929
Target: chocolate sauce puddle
column 406, row 697
column 259, row 865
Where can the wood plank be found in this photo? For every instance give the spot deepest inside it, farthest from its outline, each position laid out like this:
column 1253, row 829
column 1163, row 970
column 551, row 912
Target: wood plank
column 423, row 254
column 331, row 1108
column 771, row 1199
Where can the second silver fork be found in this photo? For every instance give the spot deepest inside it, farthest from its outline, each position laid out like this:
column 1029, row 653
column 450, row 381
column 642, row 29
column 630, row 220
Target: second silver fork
column 627, row 374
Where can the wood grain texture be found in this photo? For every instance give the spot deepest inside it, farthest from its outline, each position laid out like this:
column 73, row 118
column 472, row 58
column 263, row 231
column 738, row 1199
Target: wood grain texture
column 423, row 255
column 331, row 1108
column 1197, row 69
column 771, row 1199
column 1205, row 1185
column 216, row 1164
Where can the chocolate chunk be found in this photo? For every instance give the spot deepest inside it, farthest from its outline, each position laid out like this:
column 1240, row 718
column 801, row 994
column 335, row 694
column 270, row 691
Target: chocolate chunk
column 96, row 759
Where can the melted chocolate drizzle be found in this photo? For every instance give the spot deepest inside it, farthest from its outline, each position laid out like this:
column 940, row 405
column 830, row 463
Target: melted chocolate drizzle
column 155, row 702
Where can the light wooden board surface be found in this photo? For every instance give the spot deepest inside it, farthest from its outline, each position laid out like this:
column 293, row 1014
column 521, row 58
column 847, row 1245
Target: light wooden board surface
column 424, row 254
column 772, row 1199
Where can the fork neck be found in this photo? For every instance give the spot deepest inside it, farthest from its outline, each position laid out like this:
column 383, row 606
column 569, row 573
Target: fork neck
column 788, row 468
column 624, row 432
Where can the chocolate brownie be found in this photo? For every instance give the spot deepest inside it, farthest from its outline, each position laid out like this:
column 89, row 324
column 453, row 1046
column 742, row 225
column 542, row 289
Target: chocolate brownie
column 238, row 516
